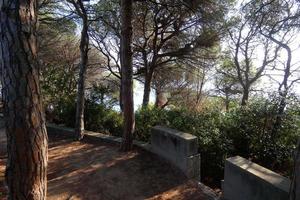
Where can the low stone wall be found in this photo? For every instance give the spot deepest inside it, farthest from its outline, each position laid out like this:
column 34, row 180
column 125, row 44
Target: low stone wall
column 55, row 129
column 179, row 148
column 249, row 181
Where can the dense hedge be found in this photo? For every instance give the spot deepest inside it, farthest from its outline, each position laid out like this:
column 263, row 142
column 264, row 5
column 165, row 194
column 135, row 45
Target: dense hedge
column 97, row 117
column 244, row 131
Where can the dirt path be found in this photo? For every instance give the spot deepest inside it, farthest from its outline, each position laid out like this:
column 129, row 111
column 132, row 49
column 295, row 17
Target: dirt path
column 2, row 161
column 97, row 170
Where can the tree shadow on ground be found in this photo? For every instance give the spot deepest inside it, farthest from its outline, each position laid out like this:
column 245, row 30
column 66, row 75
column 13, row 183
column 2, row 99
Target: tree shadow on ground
column 94, row 170
column 97, row 170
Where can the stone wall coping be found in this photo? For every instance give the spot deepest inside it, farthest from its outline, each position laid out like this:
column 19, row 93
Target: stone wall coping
column 61, row 127
column 101, row 136
column 265, row 174
column 179, row 134
column 188, row 160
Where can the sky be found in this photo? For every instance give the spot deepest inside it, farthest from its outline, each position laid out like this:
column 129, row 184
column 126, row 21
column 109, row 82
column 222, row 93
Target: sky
column 138, row 95
column 265, row 82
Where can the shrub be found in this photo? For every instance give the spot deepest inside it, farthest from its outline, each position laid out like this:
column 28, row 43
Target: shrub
column 249, row 132
column 204, row 125
column 145, row 119
column 101, row 119
column 65, row 112
column 96, row 117
column 244, row 131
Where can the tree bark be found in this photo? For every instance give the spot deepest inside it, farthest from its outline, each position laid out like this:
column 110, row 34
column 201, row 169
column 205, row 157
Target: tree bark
column 200, row 84
column 160, row 100
column 295, row 185
column 26, row 169
column 227, row 101
column 120, row 98
column 279, row 114
column 84, row 48
column 283, row 93
column 283, row 86
column 245, row 97
column 127, row 74
column 147, row 88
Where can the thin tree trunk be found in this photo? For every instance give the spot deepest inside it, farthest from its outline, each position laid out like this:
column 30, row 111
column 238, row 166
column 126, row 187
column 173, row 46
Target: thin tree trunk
column 199, row 94
column 84, row 48
column 283, row 89
column 279, row 114
column 200, row 84
column 284, row 85
column 120, row 98
column 245, row 97
column 158, row 98
column 295, row 185
column 127, row 74
column 26, row 170
column 147, row 88
column 227, row 101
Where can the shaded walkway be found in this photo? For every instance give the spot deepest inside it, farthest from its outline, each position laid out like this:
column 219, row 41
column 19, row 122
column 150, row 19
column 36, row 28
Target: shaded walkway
column 97, row 170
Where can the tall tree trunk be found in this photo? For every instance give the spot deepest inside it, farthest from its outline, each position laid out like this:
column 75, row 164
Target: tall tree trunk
column 227, row 101
column 26, row 169
column 279, row 114
column 84, row 48
column 147, row 88
column 245, row 96
column 283, row 91
column 127, row 74
column 284, row 85
column 158, row 98
column 200, row 84
column 120, row 98
column 295, row 186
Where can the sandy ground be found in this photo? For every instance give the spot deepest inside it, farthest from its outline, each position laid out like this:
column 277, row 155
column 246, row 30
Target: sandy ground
column 97, row 170
column 2, row 161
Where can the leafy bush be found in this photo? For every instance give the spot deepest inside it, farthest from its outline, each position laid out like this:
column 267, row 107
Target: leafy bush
column 204, row 125
column 65, row 112
column 249, row 131
column 97, row 117
column 101, row 119
column 244, row 131
column 145, row 119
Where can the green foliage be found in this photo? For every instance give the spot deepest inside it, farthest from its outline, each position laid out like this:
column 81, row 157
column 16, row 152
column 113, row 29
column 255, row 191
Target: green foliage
column 59, row 70
column 65, row 112
column 212, row 144
column 97, row 117
column 106, row 95
column 202, row 124
column 102, row 119
column 145, row 119
column 250, row 133
column 244, row 131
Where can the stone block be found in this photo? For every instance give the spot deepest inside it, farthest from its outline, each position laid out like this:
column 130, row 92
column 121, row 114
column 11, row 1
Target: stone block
column 249, row 181
column 179, row 148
